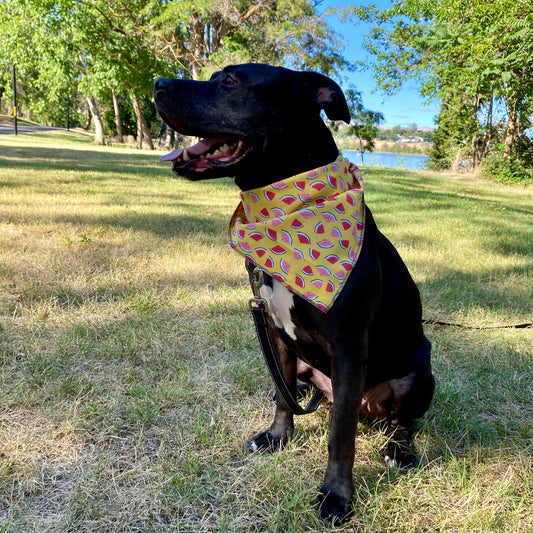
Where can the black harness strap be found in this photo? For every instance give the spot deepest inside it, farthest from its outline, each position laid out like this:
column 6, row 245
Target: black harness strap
column 258, row 308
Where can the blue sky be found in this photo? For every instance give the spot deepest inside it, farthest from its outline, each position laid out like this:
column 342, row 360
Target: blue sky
column 403, row 108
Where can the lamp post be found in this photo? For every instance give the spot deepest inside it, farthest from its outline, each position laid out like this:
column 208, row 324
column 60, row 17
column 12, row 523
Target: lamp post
column 15, row 99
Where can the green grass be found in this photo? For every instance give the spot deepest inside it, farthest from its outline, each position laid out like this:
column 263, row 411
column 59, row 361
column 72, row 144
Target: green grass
column 131, row 380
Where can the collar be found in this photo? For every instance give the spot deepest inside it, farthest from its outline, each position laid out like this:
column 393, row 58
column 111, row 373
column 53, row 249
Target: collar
column 305, row 231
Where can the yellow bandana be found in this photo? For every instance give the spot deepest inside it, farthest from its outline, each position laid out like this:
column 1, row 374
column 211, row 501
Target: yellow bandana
column 305, row 231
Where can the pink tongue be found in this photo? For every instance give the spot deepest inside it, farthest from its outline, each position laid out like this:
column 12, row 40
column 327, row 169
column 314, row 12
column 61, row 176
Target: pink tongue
column 172, row 156
column 199, row 148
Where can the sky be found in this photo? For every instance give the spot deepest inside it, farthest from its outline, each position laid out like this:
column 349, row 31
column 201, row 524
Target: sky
column 403, row 108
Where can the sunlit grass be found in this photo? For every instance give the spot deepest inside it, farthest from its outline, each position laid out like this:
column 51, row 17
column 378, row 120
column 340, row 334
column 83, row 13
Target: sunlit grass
column 131, row 381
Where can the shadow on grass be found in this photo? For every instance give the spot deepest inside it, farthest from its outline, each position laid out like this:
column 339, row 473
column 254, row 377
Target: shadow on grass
column 210, row 227
column 482, row 399
column 165, row 226
column 176, row 376
column 467, row 207
column 459, row 291
column 90, row 159
column 451, row 286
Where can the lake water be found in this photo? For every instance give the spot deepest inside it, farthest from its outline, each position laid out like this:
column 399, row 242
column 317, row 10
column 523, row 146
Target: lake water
column 411, row 162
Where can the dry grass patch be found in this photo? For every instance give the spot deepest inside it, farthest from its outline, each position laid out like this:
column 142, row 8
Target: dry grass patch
column 131, row 380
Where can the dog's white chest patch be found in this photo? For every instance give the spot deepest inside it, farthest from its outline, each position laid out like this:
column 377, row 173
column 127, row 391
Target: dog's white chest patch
column 280, row 302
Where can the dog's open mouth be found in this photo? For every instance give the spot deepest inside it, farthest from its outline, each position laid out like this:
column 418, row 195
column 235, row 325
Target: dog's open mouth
column 218, row 151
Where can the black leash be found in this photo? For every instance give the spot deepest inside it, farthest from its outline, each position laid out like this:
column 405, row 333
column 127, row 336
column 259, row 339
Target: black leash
column 259, row 308
column 512, row 326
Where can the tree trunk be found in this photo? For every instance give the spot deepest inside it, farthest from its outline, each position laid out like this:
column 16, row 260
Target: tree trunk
column 143, row 134
column 87, row 124
column 510, row 133
column 97, row 119
column 197, row 46
column 118, row 123
column 170, row 139
column 476, row 152
column 456, row 166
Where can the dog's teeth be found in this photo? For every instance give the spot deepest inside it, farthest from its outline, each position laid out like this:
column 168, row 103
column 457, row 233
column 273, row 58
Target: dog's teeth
column 224, row 147
column 185, row 157
column 217, row 152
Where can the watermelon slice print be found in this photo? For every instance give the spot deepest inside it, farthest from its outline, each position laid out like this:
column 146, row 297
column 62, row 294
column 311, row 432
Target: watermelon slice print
column 288, row 199
column 279, row 250
column 296, row 224
column 272, row 234
column 303, row 238
column 307, row 213
column 325, row 243
column 324, row 271
column 329, row 217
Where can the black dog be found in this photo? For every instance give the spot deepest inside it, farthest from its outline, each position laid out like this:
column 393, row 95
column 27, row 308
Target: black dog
column 368, row 353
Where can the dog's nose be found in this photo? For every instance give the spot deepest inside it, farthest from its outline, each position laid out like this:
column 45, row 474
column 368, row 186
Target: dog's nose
column 161, row 85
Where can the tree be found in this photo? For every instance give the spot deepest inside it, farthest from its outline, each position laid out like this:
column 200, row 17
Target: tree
column 200, row 36
column 117, row 55
column 38, row 42
column 364, row 123
column 101, row 50
column 470, row 55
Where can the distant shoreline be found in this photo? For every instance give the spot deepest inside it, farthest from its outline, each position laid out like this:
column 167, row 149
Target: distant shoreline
column 386, row 147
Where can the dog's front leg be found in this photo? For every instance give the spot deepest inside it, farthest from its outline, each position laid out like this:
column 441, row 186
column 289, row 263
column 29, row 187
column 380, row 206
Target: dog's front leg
column 348, row 377
column 282, row 428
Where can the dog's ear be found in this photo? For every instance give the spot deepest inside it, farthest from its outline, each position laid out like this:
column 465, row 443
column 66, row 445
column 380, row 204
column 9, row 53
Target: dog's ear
column 326, row 95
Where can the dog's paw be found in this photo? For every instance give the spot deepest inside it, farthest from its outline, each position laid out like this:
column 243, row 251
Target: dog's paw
column 397, row 457
column 267, row 442
column 334, row 508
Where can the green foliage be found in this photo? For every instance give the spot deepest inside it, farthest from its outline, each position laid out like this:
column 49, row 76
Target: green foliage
column 499, row 168
column 364, row 123
column 210, row 34
column 37, row 37
column 127, row 116
column 456, row 124
column 128, row 119
column 471, row 56
column 77, row 49
column 524, row 150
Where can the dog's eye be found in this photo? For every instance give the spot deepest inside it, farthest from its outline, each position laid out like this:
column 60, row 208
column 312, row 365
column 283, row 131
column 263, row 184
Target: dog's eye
column 229, row 80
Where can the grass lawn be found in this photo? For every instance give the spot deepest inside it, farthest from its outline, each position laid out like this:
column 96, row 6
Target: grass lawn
column 131, row 379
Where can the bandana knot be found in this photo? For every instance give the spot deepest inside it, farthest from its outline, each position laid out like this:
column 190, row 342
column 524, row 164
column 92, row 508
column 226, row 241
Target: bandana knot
column 305, row 231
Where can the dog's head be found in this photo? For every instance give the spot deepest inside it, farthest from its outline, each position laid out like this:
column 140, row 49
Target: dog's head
column 257, row 122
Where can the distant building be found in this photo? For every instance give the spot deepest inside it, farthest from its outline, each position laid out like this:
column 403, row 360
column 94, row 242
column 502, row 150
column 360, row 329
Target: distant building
column 412, row 139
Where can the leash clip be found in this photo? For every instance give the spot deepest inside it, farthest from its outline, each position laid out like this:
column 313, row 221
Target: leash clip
column 258, row 302
column 257, row 282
